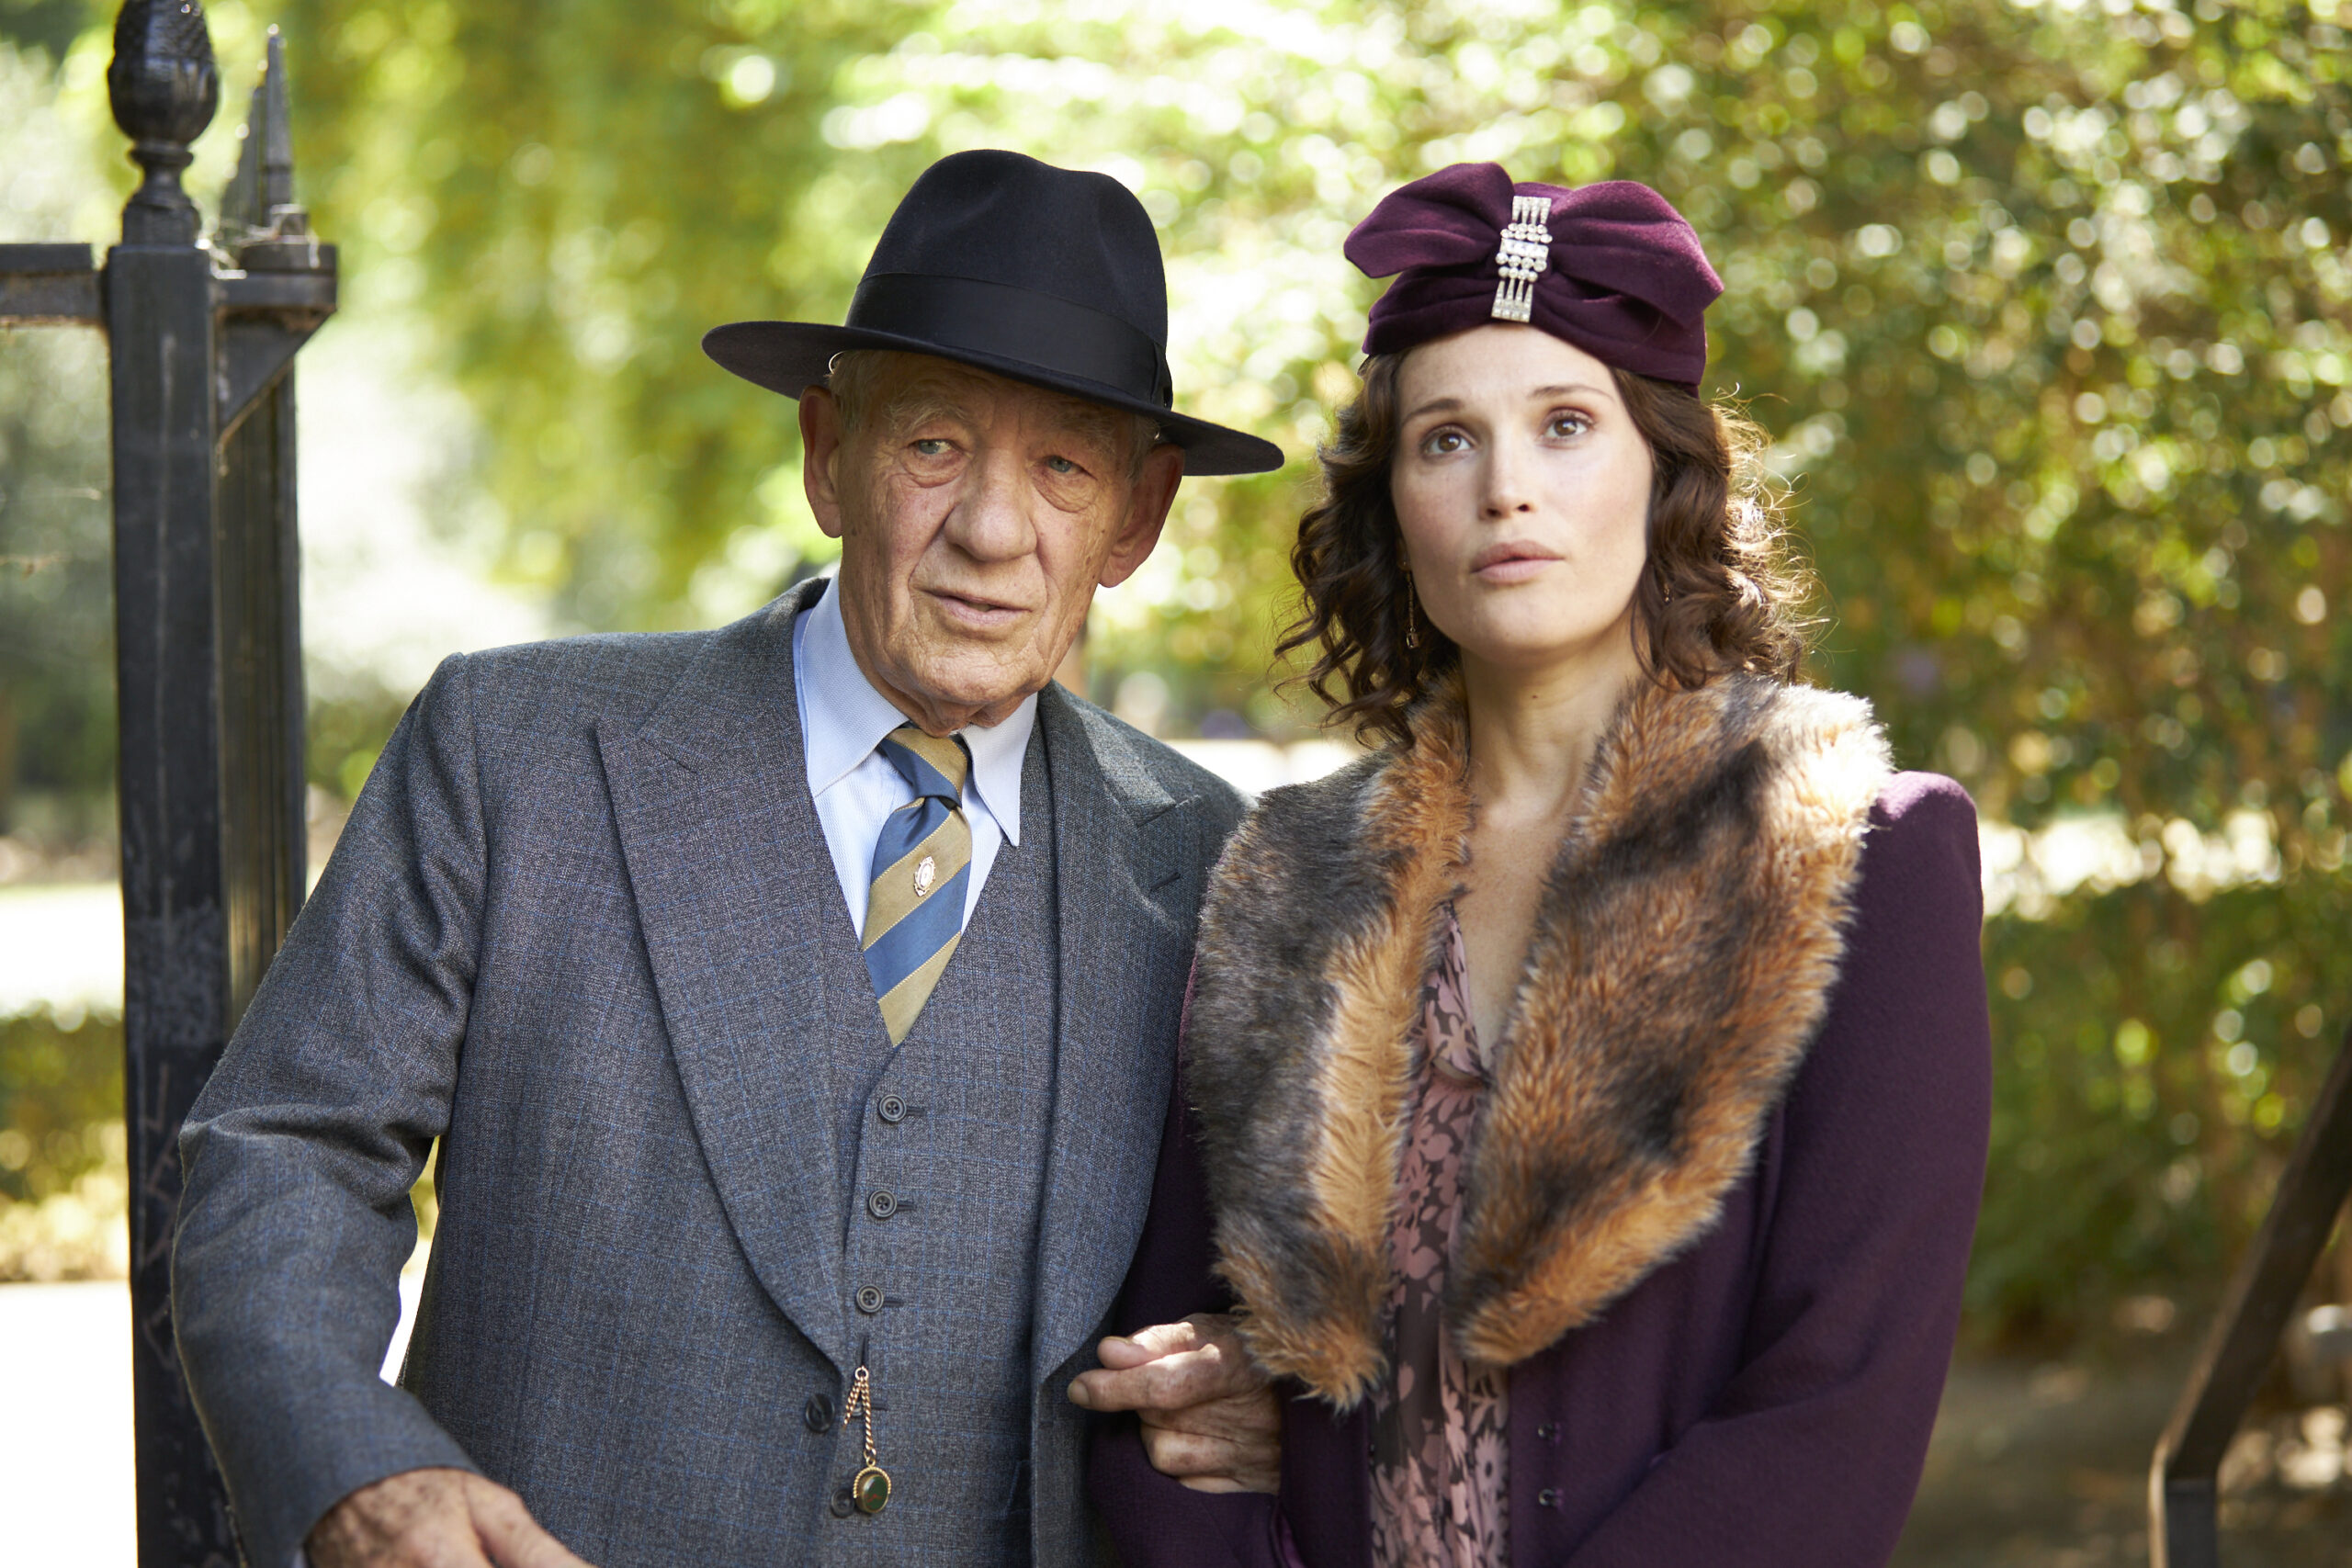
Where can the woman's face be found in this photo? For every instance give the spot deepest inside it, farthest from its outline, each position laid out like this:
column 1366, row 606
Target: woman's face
column 1522, row 488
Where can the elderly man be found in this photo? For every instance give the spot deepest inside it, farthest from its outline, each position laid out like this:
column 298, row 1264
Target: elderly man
column 794, row 1003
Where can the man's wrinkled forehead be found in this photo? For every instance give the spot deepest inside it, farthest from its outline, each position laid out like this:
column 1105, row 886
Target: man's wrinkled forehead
column 917, row 387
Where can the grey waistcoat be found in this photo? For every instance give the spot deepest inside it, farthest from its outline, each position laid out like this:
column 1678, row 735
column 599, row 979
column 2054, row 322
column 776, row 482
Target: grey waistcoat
column 942, row 1146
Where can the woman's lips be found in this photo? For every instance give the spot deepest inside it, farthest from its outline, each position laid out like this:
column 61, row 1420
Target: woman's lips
column 1513, row 561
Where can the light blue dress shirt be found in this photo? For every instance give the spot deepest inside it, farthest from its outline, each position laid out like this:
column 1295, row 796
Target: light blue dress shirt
column 843, row 718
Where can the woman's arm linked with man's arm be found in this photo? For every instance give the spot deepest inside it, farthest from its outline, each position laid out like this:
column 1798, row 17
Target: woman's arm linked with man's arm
column 1184, row 1399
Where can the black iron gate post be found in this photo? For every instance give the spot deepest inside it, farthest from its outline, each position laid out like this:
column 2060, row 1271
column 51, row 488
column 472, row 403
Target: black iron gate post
column 2184, row 1482
column 208, row 644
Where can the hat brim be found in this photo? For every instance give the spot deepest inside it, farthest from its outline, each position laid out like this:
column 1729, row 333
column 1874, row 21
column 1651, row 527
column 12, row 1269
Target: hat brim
column 791, row 356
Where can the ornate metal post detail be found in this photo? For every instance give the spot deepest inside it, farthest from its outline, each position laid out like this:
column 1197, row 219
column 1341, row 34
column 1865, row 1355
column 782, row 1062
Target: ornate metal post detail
column 164, row 89
column 161, row 322
column 260, row 565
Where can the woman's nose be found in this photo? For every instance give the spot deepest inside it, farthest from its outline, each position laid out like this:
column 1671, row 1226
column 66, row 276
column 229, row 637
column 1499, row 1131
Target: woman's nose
column 1508, row 478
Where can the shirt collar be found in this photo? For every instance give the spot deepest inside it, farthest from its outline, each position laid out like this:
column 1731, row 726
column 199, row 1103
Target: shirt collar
column 846, row 718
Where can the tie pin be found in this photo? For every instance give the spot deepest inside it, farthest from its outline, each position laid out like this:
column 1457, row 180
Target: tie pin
column 926, row 872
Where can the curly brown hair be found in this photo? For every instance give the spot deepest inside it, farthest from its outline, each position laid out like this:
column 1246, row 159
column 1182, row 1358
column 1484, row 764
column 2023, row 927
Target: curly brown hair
column 1725, row 589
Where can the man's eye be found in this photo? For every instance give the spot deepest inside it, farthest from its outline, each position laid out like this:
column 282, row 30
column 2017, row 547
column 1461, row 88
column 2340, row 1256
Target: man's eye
column 932, row 447
column 1063, row 466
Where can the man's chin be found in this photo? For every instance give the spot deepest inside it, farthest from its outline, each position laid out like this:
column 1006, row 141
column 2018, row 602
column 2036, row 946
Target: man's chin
column 987, row 682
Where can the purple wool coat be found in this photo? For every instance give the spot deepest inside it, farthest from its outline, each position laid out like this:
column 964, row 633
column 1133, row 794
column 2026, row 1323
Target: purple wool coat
column 1763, row 1398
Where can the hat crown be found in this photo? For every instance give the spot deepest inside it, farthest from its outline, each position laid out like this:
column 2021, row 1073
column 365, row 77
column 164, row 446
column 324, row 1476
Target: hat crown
column 1045, row 275
column 1612, row 269
column 998, row 217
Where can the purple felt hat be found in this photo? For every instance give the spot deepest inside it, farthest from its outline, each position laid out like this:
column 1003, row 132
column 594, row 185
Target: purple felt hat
column 1611, row 267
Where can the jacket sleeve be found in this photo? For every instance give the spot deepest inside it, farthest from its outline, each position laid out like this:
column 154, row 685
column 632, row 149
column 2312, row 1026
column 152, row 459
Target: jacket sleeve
column 1811, row 1456
column 299, row 1152
column 1153, row 1520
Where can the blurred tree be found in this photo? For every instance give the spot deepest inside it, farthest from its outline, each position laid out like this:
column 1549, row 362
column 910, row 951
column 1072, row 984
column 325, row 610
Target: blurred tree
column 60, row 1080
column 2047, row 305
column 49, row 25
column 56, row 620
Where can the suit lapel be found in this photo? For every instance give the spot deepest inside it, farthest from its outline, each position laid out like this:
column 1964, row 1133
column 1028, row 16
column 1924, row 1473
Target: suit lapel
column 1125, row 894
column 711, row 800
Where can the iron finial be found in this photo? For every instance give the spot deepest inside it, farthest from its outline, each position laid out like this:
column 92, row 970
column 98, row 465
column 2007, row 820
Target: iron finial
column 260, row 226
column 164, row 88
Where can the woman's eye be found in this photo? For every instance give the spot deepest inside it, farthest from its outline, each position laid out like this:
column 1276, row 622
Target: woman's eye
column 1568, row 424
column 1444, row 443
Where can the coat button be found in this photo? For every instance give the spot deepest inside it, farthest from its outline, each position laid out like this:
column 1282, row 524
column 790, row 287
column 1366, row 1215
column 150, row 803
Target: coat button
column 844, row 1505
column 869, row 1298
column 818, row 1414
column 892, row 1109
column 882, row 1204
column 1547, row 1432
column 1548, row 1498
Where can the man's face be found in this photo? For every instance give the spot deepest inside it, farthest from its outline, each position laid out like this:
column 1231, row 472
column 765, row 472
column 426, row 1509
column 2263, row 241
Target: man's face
column 976, row 515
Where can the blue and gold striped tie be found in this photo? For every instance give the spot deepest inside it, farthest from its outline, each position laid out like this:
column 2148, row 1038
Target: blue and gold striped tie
column 922, row 863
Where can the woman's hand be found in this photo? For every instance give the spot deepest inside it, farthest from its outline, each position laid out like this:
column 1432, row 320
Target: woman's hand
column 1209, row 1419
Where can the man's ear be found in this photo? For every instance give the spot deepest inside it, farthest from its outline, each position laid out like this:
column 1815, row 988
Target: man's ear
column 821, row 455
column 1148, row 504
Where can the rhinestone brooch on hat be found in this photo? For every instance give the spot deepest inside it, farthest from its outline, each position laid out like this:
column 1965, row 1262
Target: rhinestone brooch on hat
column 1526, row 252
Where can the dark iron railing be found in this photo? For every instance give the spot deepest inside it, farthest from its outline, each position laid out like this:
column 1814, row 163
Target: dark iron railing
column 202, row 338
column 2184, row 1484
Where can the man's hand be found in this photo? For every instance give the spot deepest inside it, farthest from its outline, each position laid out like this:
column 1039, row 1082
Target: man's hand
column 434, row 1518
column 1208, row 1418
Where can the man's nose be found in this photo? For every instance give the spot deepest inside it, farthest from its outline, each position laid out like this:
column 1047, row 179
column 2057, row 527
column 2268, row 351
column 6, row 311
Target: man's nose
column 992, row 520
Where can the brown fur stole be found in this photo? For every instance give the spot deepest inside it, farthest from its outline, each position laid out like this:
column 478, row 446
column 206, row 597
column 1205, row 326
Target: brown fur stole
column 1686, row 941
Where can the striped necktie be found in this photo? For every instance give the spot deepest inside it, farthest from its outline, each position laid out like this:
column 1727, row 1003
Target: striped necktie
column 914, row 911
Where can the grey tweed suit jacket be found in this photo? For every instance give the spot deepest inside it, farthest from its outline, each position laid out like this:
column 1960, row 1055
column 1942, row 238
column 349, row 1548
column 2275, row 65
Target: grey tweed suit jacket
column 567, row 932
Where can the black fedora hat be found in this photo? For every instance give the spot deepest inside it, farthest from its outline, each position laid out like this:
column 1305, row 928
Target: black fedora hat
column 1044, row 274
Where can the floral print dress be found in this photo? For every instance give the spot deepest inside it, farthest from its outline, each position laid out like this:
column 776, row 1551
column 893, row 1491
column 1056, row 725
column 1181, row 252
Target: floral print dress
column 1439, row 1455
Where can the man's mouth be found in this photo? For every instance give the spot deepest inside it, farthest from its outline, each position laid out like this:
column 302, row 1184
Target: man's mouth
column 976, row 609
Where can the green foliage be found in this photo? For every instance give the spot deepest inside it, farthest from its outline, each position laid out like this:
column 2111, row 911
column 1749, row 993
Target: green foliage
column 56, row 636
column 2152, row 1056
column 2046, row 305
column 47, row 25
column 61, row 1083
column 56, row 581
column 575, row 193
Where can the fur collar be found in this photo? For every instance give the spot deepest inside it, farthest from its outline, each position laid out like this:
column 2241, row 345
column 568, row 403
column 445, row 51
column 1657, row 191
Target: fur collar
column 1687, row 936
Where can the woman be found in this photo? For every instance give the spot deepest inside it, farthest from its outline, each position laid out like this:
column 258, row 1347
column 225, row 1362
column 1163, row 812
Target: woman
column 1585, row 1094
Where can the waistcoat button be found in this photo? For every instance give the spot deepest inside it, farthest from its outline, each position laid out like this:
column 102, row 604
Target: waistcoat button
column 844, row 1505
column 1547, row 1432
column 892, row 1109
column 1548, row 1498
column 882, row 1204
column 869, row 1298
column 818, row 1414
